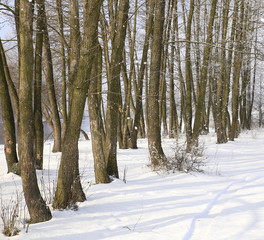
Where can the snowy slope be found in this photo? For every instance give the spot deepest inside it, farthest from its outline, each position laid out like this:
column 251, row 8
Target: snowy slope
column 226, row 202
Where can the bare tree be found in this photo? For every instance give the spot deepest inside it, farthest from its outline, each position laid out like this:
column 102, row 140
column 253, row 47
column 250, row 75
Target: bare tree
column 38, row 210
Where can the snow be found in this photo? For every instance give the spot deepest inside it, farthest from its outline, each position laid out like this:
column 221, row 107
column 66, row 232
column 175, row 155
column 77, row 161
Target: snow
column 224, row 202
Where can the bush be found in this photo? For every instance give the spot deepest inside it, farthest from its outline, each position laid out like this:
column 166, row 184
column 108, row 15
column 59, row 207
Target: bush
column 184, row 161
column 9, row 215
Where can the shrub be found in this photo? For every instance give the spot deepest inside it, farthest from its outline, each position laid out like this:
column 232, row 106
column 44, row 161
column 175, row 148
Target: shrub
column 184, row 161
column 9, row 215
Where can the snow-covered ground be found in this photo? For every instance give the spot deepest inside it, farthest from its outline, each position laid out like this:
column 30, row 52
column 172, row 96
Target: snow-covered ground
column 226, row 202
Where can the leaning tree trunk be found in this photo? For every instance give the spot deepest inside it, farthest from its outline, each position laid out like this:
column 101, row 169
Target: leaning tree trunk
column 157, row 155
column 63, row 66
column 51, row 87
column 38, row 210
column 69, row 189
column 9, row 123
column 10, row 83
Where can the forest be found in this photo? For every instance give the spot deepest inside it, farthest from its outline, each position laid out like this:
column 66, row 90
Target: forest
column 143, row 69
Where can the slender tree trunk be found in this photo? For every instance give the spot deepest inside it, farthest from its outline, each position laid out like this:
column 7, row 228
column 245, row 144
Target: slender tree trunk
column 188, row 78
column 114, row 89
column 157, row 155
column 136, row 125
column 51, row 88
column 63, row 66
column 200, row 108
column 10, row 83
column 8, row 123
column 38, row 210
column 220, row 125
column 236, row 73
column 178, row 58
column 227, row 79
column 39, row 132
column 173, row 117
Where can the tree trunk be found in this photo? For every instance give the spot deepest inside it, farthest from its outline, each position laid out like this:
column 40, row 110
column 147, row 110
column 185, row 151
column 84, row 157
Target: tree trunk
column 69, row 189
column 200, row 108
column 136, row 125
column 188, row 78
column 63, row 66
column 173, row 117
column 39, row 132
column 236, row 73
column 96, row 123
column 75, row 41
column 51, row 88
column 10, row 83
column 157, row 155
column 38, row 210
column 220, row 125
column 8, row 123
column 113, row 103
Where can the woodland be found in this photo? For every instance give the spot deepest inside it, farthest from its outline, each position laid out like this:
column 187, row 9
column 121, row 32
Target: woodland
column 143, row 68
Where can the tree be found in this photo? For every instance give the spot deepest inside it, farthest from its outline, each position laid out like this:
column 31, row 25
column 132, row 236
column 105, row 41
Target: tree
column 50, row 86
column 149, row 29
column 114, row 89
column 157, row 155
column 38, row 210
column 188, row 79
column 200, row 107
column 8, row 122
column 96, row 124
column 69, row 189
column 39, row 131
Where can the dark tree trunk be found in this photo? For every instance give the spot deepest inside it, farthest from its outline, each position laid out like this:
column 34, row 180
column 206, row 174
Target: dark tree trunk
column 39, row 132
column 38, row 210
column 154, row 137
column 8, row 122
